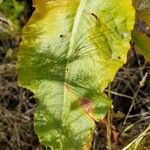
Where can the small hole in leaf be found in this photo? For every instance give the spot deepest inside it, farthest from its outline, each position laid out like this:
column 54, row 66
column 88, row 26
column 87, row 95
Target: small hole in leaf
column 61, row 36
column 119, row 57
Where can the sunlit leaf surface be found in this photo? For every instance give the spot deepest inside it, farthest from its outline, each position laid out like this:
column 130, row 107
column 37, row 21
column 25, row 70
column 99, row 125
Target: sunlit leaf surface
column 70, row 51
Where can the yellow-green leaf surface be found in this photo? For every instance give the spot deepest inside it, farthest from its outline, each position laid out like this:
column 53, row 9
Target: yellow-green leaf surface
column 140, row 37
column 143, row 43
column 70, row 51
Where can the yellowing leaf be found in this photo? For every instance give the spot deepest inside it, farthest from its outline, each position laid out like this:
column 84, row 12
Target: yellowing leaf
column 71, row 50
column 143, row 43
column 140, row 37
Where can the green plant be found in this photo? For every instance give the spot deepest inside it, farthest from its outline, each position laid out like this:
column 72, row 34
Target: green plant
column 70, row 51
column 11, row 9
column 141, row 36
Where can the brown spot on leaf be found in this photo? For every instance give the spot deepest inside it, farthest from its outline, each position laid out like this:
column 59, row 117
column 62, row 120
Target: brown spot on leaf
column 86, row 105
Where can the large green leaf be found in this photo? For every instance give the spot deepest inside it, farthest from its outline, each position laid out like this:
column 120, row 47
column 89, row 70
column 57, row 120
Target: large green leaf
column 70, row 51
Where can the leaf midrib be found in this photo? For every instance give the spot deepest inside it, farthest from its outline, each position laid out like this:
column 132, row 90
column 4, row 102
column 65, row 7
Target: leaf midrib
column 71, row 45
column 75, row 26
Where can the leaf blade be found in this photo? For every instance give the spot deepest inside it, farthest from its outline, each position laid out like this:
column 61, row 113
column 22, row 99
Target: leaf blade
column 68, row 48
